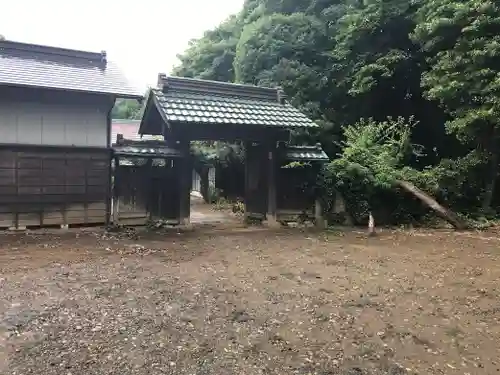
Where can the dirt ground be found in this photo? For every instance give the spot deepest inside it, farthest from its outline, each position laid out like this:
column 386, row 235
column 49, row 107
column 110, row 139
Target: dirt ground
column 249, row 302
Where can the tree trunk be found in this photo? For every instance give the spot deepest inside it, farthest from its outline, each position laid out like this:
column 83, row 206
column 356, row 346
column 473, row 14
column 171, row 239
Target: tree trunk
column 371, row 225
column 492, row 180
column 203, row 173
column 340, row 208
column 446, row 214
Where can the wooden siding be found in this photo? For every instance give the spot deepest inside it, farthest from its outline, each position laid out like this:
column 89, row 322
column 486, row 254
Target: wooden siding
column 41, row 186
column 130, row 195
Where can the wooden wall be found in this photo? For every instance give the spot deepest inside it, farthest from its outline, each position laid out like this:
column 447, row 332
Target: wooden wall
column 42, row 186
column 44, row 117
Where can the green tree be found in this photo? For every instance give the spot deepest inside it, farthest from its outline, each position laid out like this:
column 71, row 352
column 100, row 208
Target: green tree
column 129, row 108
column 284, row 50
column 211, row 57
column 290, row 51
column 126, row 109
column 374, row 164
column 461, row 40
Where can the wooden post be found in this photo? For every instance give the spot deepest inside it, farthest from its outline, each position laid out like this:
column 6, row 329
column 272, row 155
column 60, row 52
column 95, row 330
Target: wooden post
column 116, row 198
column 248, row 177
column 255, row 191
column 148, row 193
column 271, row 185
column 185, row 179
column 109, row 200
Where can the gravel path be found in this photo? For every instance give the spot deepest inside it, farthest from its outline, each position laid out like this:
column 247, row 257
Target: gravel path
column 249, row 303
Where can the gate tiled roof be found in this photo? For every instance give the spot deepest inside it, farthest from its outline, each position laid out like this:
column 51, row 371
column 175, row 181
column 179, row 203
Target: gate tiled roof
column 306, row 153
column 194, row 101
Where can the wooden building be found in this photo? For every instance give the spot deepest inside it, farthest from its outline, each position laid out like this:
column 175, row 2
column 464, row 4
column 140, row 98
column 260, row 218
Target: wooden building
column 55, row 131
column 185, row 109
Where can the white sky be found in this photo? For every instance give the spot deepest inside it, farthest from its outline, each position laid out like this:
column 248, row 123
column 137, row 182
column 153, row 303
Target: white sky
column 142, row 37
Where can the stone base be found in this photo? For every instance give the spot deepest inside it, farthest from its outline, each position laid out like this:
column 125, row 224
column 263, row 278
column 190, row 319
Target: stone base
column 184, row 221
column 185, row 224
column 17, row 229
column 320, row 223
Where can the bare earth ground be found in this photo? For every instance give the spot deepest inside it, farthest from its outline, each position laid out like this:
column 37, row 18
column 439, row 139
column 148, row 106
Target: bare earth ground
column 249, row 302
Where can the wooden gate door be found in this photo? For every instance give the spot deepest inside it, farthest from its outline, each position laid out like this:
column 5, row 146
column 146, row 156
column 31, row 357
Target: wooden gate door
column 130, row 205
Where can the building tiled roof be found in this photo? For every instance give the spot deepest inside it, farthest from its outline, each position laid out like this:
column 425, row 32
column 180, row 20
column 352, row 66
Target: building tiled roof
column 30, row 65
column 193, row 101
column 306, row 153
column 130, row 131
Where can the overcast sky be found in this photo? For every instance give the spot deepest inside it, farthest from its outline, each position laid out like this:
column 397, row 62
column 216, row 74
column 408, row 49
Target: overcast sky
column 143, row 37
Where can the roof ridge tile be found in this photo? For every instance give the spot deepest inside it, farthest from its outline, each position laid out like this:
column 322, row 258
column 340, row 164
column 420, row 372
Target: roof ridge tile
column 6, row 45
column 223, row 89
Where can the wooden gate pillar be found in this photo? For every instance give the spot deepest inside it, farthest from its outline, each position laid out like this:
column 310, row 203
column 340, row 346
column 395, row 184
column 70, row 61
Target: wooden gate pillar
column 116, row 179
column 271, row 184
column 255, row 194
column 184, row 183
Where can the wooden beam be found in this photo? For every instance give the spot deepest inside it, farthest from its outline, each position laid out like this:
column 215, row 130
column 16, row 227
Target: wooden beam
column 228, row 132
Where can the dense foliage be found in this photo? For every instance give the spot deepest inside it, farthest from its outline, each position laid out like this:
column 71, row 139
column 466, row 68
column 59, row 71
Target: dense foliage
column 403, row 89
column 126, row 109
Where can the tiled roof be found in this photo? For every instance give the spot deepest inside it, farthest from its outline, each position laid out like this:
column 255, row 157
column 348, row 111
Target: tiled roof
column 192, row 101
column 30, row 65
column 129, row 129
column 306, row 153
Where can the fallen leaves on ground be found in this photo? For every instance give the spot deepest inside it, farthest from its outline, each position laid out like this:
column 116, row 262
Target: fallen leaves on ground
column 263, row 302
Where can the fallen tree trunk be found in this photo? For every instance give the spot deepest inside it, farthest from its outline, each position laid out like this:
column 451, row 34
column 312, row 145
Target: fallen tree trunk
column 446, row 214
